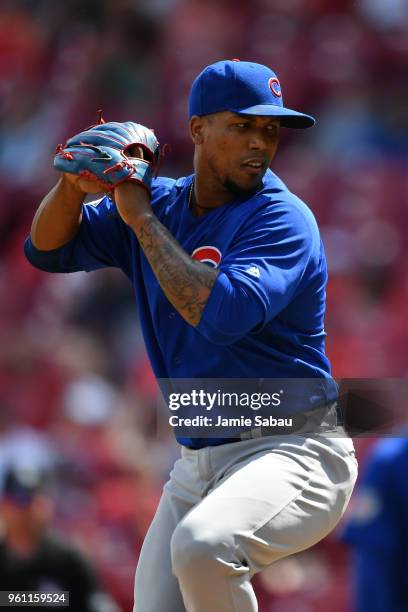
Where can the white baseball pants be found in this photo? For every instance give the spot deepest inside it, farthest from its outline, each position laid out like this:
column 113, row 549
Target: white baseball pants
column 229, row 511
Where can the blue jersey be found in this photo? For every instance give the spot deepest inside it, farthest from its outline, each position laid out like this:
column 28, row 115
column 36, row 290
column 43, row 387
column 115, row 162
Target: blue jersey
column 378, row 530
column 264, row 316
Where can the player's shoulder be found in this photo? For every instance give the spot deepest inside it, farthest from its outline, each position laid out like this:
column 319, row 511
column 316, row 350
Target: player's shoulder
column 277, row 209
column 390, row 451
column 280, row 201
column 164, row 187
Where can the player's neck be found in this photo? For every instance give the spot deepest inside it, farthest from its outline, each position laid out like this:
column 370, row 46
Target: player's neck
column 206, row 195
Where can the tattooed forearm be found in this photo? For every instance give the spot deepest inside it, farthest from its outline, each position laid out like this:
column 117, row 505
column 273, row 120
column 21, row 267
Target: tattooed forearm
column 186, row 283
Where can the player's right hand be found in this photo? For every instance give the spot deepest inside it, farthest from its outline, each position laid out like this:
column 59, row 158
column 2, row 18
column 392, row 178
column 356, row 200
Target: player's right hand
column 82, row 184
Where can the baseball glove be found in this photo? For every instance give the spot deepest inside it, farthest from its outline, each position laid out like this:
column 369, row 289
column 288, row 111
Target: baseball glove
column 103, row 151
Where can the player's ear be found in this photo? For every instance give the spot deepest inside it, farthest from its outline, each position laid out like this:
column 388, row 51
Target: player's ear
column 197, row 128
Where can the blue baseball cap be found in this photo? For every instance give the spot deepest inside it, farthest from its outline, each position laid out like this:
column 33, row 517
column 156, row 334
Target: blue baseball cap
column 245, row 88
column 22, row 485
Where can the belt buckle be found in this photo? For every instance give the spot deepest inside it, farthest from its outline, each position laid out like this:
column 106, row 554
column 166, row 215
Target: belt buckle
column 254, row 433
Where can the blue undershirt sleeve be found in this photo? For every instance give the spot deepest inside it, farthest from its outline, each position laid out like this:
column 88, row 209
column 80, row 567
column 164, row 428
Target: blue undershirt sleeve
column 260, row 274
column 102, row 241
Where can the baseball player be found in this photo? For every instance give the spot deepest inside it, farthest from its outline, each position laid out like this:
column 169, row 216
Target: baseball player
column 33, row 557
column 230, row 274
column 377, row 530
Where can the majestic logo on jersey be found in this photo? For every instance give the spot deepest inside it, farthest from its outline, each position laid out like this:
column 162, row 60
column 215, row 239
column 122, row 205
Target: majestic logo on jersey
column 275, row 87
column 208, row 254
column 254, row 271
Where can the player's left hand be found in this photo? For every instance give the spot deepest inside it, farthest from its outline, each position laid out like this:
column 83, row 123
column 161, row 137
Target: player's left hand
column 108, row 154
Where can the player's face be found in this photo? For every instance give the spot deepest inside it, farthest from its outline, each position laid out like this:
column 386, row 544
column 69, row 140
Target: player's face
column 238, row 149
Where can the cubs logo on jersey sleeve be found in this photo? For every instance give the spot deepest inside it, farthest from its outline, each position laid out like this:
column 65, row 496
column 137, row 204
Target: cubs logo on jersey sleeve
column 208, row 254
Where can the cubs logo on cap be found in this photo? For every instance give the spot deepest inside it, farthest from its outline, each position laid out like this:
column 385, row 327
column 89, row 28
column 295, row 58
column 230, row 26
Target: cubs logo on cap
column 207, row 254
column 245, row 88
column 275, row 87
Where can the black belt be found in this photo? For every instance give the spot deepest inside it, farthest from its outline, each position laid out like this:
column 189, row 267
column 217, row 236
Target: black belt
column 332, row 410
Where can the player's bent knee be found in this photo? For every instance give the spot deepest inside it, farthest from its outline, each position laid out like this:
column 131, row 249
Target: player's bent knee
column 191, row 552
column 187, row 549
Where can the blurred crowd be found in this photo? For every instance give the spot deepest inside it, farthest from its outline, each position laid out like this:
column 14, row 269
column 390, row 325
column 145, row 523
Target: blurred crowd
column 77, row 396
